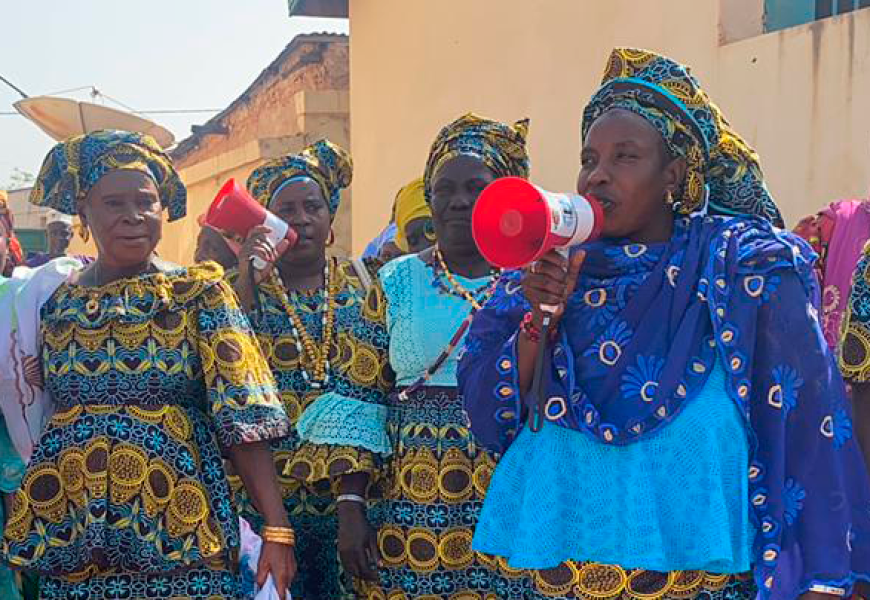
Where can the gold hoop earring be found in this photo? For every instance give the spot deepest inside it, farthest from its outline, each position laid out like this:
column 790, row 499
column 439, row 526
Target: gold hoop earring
column 83, row 231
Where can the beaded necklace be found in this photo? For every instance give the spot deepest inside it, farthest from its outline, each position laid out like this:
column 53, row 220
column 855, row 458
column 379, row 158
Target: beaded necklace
column 305, row 344
column 456, row 288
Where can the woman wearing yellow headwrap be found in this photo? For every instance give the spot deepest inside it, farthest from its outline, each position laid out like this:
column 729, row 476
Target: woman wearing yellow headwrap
column 414, row 232
column 327, row 349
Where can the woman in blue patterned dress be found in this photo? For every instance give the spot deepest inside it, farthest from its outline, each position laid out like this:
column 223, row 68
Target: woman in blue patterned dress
column 155, row 375
column 691, row 426
column 328, row 351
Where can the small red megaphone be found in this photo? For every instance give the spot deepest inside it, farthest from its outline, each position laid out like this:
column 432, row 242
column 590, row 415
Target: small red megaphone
column 515, row 222
column 234, row 210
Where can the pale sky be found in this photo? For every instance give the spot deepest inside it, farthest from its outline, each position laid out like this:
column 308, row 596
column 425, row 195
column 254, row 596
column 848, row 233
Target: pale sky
column 150, row 55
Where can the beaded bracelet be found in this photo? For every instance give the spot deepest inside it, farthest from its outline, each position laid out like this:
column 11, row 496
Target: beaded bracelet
column 529, row 329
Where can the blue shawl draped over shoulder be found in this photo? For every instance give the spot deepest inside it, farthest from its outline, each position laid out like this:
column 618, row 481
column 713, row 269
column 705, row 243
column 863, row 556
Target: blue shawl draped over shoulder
column 637, row 342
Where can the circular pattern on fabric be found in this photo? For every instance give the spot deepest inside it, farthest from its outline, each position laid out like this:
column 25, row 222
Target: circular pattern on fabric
column 366, row 365
column 482, row 476
column 71, row 466
column 422, row 550
column 648, row 391
column 420, row 481
column 158, row 487
column 595, row 298
column 774, row 396
column 673, row 272
column 648, row 584
column 188, row 507
column 153, row 416
column 687, row 584
column 855, row 357
column 556, row 408
column 96, row 463
column 455, row 549
column 45, row 491
column 635, row 250
column 754, row 285
column 284, row 355
column 392, row 544
column 127, row 465
column 19, row 518
column 609, row 352
column 558, row 581
column 827, row 427
column 601, row 581
column 178, row 424
column 454, row 480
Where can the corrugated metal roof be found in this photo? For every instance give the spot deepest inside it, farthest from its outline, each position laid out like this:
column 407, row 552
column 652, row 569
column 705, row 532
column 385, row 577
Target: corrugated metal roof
column 318, row 8
column 215, row 124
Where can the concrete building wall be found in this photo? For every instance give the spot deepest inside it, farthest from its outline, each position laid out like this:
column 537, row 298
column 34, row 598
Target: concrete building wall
column 799, row 95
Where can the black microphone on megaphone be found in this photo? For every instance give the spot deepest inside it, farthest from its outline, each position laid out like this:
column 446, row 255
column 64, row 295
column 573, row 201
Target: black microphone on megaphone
column 514, row 224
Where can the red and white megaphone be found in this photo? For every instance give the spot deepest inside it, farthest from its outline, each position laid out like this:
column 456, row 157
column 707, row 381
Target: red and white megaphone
column 515, row 222
column 235, row 211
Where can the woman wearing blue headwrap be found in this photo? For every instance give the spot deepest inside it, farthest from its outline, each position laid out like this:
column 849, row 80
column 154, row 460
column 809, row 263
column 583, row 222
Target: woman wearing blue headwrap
column 155, row 376
column 692, row 434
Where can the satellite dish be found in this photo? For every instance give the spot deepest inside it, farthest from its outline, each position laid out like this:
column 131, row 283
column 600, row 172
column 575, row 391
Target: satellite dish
column 62, row 118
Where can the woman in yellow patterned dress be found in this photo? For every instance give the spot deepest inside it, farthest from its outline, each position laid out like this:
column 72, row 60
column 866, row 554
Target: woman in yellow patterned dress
column 328, row 353
column 154, row 373
column 439, row 471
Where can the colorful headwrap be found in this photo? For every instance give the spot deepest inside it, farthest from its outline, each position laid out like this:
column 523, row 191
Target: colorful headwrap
column 15, row 255
column 327, row 164
column 501, row 147
column 723, row 172
column 410, row 205
column 75, row 165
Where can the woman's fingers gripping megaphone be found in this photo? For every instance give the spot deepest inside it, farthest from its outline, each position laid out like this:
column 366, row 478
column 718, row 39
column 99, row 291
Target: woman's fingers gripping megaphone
column 548, row 283
column 259, row 253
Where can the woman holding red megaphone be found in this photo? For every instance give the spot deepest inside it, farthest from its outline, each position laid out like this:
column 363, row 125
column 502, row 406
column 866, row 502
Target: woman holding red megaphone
column 696, row 438
column 328, row 351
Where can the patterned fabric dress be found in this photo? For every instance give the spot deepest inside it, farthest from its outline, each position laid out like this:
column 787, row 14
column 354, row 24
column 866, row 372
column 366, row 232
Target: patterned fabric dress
column 439, row 474
column 338, row 429
column 126, row 494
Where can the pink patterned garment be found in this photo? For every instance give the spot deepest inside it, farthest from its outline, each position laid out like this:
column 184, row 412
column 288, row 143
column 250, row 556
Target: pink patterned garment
column 838, row 234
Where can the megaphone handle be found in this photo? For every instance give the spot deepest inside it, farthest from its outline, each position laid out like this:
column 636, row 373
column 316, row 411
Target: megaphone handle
column 252, row 280
column 538, row 389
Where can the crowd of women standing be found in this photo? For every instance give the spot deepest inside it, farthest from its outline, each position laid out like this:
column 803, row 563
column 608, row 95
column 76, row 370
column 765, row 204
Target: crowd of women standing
column 377, row 423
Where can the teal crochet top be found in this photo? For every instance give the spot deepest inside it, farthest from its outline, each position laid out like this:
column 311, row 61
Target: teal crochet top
column 673, row 501
column 414, row 348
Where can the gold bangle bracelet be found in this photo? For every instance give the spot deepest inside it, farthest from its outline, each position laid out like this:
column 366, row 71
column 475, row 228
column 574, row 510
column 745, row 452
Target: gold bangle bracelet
column 279, row 535
column 286, row 541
